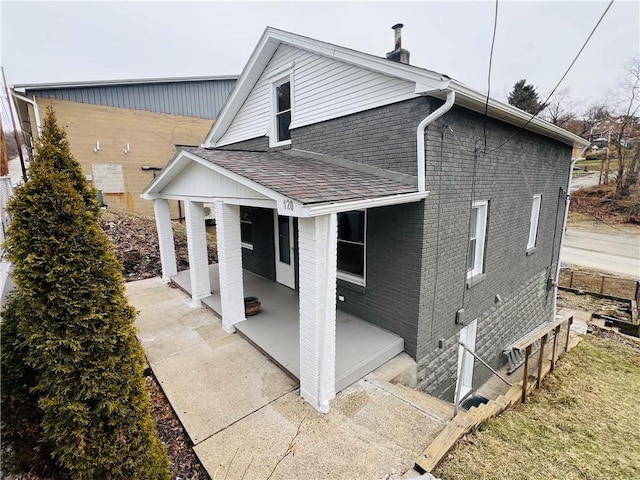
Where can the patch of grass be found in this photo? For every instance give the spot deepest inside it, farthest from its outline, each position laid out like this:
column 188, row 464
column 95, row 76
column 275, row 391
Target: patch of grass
column 583, row 424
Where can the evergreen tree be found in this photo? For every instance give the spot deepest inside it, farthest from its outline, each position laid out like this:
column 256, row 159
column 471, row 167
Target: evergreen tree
column 75, row 327
column 525, row 97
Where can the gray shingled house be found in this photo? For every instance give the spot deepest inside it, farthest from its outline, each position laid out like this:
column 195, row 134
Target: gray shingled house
column 374, row 209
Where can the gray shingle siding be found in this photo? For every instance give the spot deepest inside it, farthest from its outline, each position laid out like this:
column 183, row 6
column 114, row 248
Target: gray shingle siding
column 199, row 99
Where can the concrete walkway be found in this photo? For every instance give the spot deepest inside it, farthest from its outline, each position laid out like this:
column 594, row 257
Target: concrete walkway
column 236, row 404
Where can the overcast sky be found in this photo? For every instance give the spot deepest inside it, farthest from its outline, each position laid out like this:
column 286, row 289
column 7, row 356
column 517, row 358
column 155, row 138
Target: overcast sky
column 78, row 41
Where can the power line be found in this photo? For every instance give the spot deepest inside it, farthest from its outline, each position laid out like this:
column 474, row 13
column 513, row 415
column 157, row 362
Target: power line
column 486, row 105
column 559, row 81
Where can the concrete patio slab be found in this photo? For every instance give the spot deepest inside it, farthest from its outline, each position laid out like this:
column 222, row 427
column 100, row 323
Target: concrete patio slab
column 235, row 403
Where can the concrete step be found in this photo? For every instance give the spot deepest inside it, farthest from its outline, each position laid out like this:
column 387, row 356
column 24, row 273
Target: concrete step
column 438, row 409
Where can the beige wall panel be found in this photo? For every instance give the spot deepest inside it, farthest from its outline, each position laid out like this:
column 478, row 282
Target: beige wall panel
column 151, row 137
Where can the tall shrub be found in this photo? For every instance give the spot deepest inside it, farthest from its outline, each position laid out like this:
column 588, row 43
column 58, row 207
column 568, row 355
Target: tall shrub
column 77, row 326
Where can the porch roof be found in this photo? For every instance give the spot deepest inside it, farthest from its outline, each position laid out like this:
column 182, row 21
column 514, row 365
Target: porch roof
column 305, row 177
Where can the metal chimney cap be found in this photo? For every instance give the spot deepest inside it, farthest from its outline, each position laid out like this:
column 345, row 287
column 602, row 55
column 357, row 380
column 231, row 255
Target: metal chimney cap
column 397, row 25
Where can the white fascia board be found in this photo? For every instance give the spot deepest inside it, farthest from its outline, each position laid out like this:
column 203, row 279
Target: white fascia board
column 173, row 168
column 325, row 209
column 476, row 101
column 248, row 79
column 246, row 202
column 426, row 81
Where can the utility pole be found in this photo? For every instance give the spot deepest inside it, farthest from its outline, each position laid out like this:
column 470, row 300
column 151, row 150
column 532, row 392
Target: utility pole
column 15, row 129
column 4, row 165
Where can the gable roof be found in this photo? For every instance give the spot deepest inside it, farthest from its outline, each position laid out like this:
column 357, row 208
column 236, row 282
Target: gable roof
column 315, row 184
column 427, row 82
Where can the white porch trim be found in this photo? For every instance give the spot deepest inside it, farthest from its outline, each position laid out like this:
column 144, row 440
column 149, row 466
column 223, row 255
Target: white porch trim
column 230, row 264
column 165, row 239
column 197, row 245
column 317, row 287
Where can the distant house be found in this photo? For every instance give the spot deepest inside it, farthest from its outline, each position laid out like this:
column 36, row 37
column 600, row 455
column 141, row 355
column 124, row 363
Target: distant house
column 363, row 186
column 118, row 129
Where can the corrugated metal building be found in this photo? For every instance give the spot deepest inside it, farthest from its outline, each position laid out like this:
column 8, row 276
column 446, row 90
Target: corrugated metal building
column 123, row 131
column 198, row 97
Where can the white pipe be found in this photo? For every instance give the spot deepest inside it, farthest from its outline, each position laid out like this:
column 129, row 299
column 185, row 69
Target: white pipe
column 433, row 116
column 564, row 227
column 36, row 111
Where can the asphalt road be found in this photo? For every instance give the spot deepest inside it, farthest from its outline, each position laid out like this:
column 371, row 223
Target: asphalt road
column 617, row 253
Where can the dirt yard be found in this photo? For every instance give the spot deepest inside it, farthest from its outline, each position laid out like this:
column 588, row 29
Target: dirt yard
column 136, row 242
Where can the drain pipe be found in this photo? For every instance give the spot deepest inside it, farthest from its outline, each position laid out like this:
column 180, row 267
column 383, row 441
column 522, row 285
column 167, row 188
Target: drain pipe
column 36, row 111
column 433, row 116
column 564, row 227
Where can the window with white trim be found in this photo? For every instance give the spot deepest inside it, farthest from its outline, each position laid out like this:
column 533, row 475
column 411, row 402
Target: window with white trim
column 477, row 236
column 246, row 228
column 282, row 103
column 351, row 246
column 533, row 222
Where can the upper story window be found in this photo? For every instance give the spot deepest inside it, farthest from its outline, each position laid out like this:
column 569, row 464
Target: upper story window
column 533, row 223
column 283, row 111
column 282, row 104
column 477, row 236
column 246, row 228
column 351, row 246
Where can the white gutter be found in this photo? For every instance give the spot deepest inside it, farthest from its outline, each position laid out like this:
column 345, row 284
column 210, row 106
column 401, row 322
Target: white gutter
column 35, row 109
column 433, row 116
column 346, row 206
column 564, row 229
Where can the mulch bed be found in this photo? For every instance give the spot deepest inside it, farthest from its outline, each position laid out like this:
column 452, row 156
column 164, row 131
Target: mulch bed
column 184, row 462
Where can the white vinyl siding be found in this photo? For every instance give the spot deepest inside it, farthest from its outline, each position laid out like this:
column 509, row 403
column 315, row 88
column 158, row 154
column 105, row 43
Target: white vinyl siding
column 477, row 236
column 322, row 89
column 533, row 222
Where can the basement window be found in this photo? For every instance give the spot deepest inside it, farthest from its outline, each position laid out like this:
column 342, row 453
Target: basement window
column 246, row 228
column 352, row 246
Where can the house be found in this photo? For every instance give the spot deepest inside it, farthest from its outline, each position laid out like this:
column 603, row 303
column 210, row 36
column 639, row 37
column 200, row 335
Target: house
column 118, row 129
column 376, row 190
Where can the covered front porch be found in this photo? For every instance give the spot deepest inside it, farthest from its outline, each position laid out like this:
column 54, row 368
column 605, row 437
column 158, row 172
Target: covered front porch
column 360, row 346
column 301, row 329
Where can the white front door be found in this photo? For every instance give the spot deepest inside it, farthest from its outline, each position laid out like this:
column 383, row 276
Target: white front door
column 285, row 263
column 466, row 360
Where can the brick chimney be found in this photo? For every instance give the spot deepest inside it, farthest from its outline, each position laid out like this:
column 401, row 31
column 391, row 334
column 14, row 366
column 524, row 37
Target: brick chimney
column 399, row 54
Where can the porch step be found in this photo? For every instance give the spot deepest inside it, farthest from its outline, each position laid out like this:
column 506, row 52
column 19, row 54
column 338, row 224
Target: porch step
column 439, row 409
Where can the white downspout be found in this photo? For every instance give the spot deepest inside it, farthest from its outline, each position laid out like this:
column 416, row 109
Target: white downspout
column 36, row 111
column 564, row 228
column 433, row 116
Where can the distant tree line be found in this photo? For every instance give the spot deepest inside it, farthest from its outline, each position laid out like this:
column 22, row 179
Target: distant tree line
column 616, row 117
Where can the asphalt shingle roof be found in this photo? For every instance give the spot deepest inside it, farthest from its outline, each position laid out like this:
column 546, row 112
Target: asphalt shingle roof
column 301, row 178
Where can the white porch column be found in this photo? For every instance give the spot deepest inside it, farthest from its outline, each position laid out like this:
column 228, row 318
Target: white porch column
column 318, row 256
column 197, row 245
column 165, row 239
column 230, row 264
